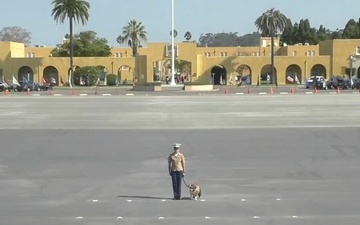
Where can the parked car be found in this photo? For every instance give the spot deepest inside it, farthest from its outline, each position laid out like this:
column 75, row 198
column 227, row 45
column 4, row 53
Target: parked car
column 41, row 87
column 339, row 81
column 2, row 86
column 319, row 82
column 10, row 85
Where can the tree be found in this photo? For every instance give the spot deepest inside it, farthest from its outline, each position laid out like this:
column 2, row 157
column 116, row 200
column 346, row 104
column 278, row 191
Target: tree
column 187, row 36
column 74, row 11
column 228, row 40
column 86, row 44
column 15, row 34
column 305, row 33
column 271, row 23
column 288, row 36
column 351, row 30
column 133, row 34
column 323, row 34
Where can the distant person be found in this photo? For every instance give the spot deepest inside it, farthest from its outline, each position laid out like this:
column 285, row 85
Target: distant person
column 176, row 166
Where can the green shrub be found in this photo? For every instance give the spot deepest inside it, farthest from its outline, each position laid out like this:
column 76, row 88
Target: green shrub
column 111, row 79
column 89, row 74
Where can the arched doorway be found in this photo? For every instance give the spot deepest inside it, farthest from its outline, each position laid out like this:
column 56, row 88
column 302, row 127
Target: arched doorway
column 244, row 75
column 318, row 70
column 162, row 70
column 125, row 74
column 218, row 75
column 293, row 74
column 27, row 73
column 102, row 72
column 266, row 76
column 51, row 74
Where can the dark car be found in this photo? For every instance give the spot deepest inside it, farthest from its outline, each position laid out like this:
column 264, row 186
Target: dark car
column 24, row 86
column 356, row 84
column 2, row 86
column 41, row 87
column 340, row 81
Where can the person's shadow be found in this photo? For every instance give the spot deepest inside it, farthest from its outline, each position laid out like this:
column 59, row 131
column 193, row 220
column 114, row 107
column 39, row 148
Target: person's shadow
column 150, row 197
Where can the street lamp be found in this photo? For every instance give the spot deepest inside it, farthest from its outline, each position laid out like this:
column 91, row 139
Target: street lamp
column 172, row 45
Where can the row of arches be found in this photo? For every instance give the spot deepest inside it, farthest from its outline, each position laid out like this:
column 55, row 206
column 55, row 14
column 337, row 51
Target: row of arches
column 293, row 74
column 51, row 73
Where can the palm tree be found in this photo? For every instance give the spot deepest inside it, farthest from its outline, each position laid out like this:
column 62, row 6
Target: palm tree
column 75, row 11
column 133, row 34
column 271, row 23
column 187, row 35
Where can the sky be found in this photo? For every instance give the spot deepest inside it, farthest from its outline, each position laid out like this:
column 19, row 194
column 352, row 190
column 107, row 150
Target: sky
column 107, row 17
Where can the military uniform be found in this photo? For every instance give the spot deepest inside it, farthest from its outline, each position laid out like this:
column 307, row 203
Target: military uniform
column 176, row 164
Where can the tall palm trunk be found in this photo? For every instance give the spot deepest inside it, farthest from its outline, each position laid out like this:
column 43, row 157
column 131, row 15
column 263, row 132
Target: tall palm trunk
column 71, row 52
column 274, row 75
column 134, row 49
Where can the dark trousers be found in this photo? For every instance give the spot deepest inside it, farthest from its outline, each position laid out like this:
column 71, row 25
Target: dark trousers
column 176, row 177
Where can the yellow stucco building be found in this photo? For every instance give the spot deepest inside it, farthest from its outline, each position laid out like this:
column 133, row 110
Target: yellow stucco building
column 293, row 64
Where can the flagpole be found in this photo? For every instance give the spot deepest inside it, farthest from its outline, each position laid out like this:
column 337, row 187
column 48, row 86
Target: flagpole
column 172, row 45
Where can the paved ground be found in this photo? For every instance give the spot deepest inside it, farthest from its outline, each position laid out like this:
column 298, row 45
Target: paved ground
column 280, row 159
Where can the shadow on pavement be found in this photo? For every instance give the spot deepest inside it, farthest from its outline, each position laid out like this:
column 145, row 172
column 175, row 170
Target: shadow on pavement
column 150, row 197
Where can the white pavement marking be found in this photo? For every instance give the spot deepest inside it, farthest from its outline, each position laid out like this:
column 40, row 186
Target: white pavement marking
column 95, row 200
column 208, row 218
column 243, row 200
column 119, row 218
column 79, row 218
column 295, row 217
column 161, row 218
column 203, row 200
column 262, row 93
column 129, row 200
column 240, row 93
column 129, row 94
column 83, row 95
column 256, row 217
column 284, row 93
column 164, row 200
column 278, row 199
column 57, row 94
column 106, row 94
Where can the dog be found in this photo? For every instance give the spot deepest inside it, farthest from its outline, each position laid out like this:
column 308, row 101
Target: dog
column 195, row 191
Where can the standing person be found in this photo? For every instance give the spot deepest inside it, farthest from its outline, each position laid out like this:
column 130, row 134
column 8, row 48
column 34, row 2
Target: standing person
column 176, row 167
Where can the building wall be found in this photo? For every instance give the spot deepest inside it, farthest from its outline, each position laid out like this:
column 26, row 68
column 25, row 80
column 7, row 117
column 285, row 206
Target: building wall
column 342, row 49
column 38, row 52
column 332, row 55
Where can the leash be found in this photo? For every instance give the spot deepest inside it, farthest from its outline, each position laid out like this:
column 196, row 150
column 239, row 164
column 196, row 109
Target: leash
column 186, row 183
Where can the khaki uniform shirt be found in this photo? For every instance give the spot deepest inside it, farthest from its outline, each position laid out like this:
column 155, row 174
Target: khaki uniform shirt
column 176, row 161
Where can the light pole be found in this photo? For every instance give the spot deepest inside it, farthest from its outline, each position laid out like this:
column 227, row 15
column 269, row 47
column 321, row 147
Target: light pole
column 172, row 45
column 351, row 69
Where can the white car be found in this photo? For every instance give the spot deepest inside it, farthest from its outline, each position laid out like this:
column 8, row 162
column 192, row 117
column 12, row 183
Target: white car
column 320, row 82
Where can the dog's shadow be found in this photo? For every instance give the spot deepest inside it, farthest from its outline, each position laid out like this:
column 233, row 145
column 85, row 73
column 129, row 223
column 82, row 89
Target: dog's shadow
column 150, row 197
